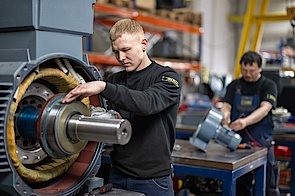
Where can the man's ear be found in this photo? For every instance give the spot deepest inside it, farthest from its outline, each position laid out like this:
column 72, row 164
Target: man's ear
column 144, row 44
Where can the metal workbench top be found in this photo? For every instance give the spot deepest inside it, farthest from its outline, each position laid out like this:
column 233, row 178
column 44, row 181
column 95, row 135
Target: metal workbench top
column 216, row 156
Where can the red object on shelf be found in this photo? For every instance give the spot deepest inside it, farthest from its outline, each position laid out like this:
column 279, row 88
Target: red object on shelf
column 182, row 108
column 283, row 151
column 285, row 177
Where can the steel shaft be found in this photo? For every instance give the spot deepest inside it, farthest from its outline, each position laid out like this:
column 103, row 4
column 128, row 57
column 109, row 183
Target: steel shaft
column 116, row 131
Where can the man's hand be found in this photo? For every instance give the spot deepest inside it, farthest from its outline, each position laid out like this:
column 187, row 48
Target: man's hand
column 84, row 90
column 226, row 110
column 226, row 118
column 238, row 124
column 256, row 116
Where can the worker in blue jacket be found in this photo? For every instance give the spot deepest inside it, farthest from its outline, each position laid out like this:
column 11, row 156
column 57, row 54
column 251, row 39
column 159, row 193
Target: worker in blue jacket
column 247, row 109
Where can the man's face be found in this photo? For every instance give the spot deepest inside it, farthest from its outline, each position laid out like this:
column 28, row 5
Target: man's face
column 129, row 51
column 250, row 73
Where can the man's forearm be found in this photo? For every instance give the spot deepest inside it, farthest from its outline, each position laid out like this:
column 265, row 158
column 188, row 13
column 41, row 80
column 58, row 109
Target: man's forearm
column 259, row 113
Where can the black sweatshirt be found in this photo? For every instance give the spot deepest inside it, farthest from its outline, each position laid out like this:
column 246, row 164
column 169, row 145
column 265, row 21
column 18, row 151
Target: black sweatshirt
column 149, row 99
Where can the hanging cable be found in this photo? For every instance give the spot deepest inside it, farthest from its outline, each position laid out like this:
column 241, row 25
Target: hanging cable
column 51, row 167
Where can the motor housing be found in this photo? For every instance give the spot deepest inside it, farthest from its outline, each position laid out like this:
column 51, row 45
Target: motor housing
column 48, row 148
column 211, row 128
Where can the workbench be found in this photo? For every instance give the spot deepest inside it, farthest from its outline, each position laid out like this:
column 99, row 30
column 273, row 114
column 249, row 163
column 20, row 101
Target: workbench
column 218, row 162
column 221, row 163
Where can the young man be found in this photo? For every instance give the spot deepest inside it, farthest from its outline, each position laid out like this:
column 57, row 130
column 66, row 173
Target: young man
column 148, row 95
column 247, row 109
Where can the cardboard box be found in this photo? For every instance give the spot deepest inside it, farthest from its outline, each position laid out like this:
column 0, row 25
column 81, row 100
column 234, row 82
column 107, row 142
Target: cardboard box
column 148, row 6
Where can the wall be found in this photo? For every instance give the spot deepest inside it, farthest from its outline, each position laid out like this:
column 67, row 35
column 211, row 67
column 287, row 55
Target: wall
column 218, row 40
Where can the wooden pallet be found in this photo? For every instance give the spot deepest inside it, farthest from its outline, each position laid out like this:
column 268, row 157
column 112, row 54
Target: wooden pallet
column 181, row 15
column 118, row 3
column 139, row 5
column 190, row 16
column 146, row 6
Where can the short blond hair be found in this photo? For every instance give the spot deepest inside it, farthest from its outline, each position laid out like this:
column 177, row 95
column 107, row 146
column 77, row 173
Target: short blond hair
column 125, row 26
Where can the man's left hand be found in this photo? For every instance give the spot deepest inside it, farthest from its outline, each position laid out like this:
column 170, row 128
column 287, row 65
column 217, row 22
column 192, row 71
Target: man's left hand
column 238, row 124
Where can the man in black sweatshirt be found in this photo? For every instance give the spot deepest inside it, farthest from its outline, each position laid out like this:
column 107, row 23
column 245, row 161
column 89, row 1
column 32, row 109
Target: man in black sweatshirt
column 148, row 95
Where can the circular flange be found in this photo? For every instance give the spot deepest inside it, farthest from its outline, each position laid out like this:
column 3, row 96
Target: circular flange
column 52, row 127
column 28, row 149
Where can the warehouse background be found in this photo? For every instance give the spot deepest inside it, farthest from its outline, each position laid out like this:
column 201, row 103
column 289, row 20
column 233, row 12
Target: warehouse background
column 198, row 38
column 215, row 49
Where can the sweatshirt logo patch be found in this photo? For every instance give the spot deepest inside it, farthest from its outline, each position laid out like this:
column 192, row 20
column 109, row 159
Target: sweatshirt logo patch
column 271, row 97
column 172, row 80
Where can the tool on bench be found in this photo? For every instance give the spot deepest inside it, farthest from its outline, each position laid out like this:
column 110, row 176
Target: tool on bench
column 244, row 146
column 100, row 190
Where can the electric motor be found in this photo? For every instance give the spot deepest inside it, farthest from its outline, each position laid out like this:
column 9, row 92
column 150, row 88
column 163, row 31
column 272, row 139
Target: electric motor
column 211, row 128
column 46, row 147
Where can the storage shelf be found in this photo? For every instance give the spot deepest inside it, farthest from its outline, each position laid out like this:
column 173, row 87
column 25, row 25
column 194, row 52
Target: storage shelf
column 148, row 19
column 284, row 187
column 107, row 14
column 283, row 158
column 182, row 65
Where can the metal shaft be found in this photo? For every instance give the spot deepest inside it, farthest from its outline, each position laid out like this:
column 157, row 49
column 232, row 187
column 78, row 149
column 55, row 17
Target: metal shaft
column 65, row 129
column 115, row 131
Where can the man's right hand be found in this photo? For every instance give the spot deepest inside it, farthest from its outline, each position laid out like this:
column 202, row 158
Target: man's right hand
column 226, row 118
column 84, row 90
column 225, row 109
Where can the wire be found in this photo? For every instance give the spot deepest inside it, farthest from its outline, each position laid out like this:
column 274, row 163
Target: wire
column 52, row 167
column 254, row 142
